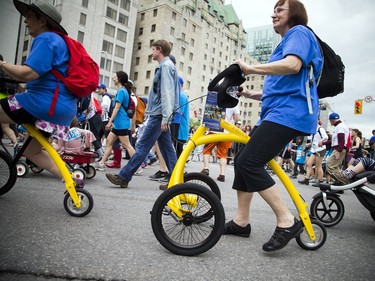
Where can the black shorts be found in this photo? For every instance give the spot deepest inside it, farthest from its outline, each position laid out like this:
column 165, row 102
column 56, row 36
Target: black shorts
column 265, row 143
column 20, row 116
column 121, row 132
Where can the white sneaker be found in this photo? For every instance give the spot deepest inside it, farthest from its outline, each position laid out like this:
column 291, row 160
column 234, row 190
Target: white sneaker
column 139, row 171
column 99, row 166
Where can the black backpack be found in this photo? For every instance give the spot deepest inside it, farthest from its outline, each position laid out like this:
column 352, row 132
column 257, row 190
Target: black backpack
column 331, row 79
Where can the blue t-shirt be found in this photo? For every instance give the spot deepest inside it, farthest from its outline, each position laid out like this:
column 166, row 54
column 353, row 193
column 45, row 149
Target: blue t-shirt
column 48, row 51
column 183, row 131
column 122, row 121
column 284, row 96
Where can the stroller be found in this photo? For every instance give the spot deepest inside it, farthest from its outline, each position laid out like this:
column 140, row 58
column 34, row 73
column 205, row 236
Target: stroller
column 328, row 208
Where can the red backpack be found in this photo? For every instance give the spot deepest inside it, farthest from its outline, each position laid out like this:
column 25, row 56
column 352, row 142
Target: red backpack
column 82, row 75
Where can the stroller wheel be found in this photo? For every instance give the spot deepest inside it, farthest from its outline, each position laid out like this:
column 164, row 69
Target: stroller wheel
column 79, row 174
column 90, row 172
column 329, row 215
column 22, row 169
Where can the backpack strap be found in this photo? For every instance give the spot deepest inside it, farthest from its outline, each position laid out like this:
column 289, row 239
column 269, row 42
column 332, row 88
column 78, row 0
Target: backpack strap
column 308, row 84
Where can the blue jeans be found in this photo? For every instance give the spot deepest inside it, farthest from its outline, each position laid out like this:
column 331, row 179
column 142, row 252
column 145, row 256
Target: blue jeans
column 151, row 134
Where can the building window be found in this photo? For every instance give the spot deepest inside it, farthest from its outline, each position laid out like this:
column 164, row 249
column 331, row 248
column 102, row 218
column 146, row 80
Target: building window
column 191, row 56
column 111, row 13
column 174, row 15
column 109, row 30
column 181, row 67
column 183, row 36
column 114, row 2
column 155, row 12
column 80, row 36
column 140, row 31
column 107, row 47
column 192, row 42
column 172, row 31
column 190, row 70
column 147, row 91
column 149, row 59
column 121, row 35
column 117, row 66
column 194, row 28
column 139, row 45
column 148, row 74
column 184, row 22
column 120, row 51
column 123, row 19
column 82, row 19
column 153, row 28
column 143, row 16
column 137, row 59
column 151, row 42
column 125, row 4
column 85, row 3
column 182, row 51
column 25, row 46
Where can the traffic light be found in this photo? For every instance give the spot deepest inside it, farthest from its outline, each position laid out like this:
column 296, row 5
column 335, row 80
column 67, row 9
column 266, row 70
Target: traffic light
column 358, row 107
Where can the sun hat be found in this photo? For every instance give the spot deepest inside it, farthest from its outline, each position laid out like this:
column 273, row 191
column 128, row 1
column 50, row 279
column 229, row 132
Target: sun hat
column 334, row 116
column 43, row 8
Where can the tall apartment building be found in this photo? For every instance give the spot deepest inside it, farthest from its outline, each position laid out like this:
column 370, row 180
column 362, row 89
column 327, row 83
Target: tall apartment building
column 206, row 37
column 105, row 27
column 261, row 41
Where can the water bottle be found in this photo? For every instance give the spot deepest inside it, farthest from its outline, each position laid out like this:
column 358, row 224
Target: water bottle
column 233, row 91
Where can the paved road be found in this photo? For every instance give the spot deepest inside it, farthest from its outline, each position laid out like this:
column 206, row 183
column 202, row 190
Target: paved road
column 40, row 241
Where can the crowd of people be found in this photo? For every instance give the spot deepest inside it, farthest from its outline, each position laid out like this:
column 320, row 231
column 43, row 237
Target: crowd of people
column 313, row 152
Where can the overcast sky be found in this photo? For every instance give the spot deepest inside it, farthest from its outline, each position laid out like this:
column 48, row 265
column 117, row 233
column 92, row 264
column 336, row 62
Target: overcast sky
column 345, row 25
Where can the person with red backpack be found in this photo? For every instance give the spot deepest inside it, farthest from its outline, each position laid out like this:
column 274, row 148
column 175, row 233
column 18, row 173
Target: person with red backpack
column 48, row 51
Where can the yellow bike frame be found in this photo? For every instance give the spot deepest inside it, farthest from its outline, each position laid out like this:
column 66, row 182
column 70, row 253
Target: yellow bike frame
column 67, row 176
column 234, row 135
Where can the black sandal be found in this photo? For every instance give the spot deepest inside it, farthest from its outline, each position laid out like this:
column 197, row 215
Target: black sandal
column 282, row 236
column 234, row 229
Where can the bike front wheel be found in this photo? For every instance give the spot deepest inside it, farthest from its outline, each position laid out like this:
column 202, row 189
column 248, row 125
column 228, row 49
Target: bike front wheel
column 8, row 173
column 200, row 226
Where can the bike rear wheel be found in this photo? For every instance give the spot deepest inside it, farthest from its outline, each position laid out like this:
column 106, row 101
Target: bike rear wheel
column 198, row 230
column 203, row 180
column 8, row 174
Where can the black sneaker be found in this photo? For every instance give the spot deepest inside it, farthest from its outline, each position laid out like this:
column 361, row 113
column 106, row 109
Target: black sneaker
column 158, row 175
column 234, row 229
column 282, row 236
column 205, row 172
column 152, row 161
column 304, row 181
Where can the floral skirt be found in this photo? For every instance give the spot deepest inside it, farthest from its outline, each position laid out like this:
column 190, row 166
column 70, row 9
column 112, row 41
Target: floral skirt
column 56, row 131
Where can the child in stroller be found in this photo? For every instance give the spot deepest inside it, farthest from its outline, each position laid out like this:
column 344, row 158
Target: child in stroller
column 77, row 149
column 359, row 177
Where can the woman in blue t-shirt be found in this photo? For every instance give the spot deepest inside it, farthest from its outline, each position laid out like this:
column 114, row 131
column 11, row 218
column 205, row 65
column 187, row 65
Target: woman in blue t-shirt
column 285, row 115
column 119, row 123
column 48, row 51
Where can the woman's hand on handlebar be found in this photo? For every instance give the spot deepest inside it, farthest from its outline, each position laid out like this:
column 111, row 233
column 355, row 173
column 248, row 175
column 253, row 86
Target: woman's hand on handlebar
column 254, row 95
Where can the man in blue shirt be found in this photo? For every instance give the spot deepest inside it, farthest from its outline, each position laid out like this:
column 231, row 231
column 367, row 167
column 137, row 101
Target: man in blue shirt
column 163, row 99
